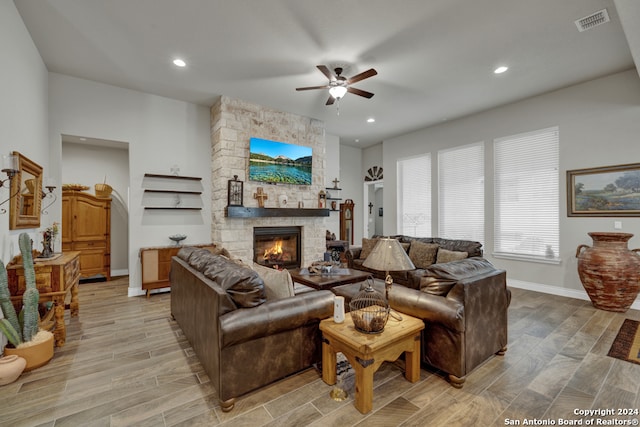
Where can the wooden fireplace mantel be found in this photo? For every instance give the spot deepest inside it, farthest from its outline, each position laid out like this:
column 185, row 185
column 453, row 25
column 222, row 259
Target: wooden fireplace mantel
column 244, row 212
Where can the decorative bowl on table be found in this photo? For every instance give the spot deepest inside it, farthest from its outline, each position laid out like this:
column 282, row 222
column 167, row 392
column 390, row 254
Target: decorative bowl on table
column 178, row 238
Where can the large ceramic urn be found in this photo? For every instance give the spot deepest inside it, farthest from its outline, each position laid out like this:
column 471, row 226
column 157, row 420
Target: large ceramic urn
column 609, row 271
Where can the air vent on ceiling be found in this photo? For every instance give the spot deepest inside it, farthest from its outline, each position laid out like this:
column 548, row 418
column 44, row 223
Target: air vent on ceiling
column 593, row 20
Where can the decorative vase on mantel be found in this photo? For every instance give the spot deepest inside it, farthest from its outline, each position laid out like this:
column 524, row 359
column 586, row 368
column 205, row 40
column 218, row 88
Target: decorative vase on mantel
column 609, row 271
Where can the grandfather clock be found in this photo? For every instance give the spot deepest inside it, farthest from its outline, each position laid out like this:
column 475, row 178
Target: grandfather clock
column 346, row 221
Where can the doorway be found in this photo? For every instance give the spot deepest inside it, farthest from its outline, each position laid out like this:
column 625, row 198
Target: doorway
column 90, row 161
column 373, row 208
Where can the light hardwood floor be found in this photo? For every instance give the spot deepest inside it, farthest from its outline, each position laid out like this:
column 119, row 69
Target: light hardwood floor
column 126, row 363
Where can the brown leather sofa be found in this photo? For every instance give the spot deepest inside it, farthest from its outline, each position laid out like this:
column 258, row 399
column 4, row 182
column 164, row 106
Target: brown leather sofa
column 242, row 340
column 412, row 278
column 464, row 307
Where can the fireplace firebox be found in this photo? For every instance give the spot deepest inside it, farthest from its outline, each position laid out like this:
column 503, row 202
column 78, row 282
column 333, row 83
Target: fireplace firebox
column 277, row 247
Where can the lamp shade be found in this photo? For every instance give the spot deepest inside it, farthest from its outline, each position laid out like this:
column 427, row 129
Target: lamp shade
column 338, row 91
column 388, row 255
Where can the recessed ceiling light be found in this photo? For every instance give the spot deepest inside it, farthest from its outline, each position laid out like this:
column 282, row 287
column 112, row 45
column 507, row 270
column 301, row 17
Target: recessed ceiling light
column 356, row 140
column 371, row 120
column 179, row 62
column 500, row 70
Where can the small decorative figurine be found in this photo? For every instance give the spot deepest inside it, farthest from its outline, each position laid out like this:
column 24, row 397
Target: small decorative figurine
column 322, row 199
column 261, row 196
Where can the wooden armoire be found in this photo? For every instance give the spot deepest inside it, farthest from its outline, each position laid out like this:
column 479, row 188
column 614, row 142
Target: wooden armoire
column 86, row 227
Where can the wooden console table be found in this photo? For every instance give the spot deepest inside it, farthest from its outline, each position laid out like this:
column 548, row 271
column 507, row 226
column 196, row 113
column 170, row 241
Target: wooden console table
column 55, row 279
column 156, row 263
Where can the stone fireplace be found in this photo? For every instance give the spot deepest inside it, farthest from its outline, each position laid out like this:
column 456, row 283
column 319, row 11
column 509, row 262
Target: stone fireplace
column 233, row 123
column 277, row 247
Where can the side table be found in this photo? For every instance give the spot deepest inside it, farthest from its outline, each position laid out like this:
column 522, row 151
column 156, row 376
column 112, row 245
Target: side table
column 55, row 279
column 366, row 352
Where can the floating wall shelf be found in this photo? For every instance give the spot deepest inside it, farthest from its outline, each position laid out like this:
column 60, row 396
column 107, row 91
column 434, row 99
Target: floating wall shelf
column 186, row 187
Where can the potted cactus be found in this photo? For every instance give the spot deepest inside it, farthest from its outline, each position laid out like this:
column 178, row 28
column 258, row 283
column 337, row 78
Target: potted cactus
column 25, row 338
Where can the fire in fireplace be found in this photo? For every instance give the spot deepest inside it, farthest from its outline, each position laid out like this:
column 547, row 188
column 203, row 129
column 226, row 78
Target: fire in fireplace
column 277, row 247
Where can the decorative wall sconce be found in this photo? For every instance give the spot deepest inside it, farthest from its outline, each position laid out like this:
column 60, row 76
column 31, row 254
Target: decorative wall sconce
column 10, row 167
column 50, row 186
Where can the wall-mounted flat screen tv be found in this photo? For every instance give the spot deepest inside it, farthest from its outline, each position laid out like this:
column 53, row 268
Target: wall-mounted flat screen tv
column 279, row 162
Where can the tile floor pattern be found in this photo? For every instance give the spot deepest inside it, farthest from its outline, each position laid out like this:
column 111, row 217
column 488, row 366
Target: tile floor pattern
column 126, row 363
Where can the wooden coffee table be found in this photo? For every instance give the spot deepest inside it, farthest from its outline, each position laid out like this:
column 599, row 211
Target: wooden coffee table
column 328, row 280
column 366, row 352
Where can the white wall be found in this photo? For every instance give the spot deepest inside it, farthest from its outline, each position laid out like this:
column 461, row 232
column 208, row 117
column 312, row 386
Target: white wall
column 23, row 111
column 351, row 184
column 92, row 164
column 331, row 172
column 599, row 124
column 161, row 132
column 23, row 114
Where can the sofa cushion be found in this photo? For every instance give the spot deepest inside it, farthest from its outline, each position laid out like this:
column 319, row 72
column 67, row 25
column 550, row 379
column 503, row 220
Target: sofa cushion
column 199, row 259
column 277, row 283
column 367, row 247
column 445, row 256
column 436, row 285
column 423, row 254
column 440, row 278
column 242, row 284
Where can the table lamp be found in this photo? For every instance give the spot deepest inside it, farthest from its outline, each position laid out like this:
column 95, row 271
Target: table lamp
column 388, row 255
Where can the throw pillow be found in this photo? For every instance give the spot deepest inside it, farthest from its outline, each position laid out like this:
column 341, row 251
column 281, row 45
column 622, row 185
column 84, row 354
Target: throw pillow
column 367, row 247
column 448, row 256
column 277, row 284
column 423, row 254
column 221, row 251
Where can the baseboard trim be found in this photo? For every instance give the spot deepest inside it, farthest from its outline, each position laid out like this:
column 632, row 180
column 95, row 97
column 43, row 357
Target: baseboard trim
column 556, row 290
column 119, row 273
column 136, row 292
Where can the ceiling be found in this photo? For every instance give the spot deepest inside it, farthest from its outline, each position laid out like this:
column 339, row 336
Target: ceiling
column 434, row 58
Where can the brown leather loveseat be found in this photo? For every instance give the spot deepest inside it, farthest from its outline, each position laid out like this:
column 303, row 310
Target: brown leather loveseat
column 423, row 251
column 242, row 340
column 464, row 306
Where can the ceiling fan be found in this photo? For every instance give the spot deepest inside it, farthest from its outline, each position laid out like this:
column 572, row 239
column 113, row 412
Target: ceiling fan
column 339, row 85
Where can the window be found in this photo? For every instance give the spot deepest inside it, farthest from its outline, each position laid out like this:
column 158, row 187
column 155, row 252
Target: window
column 526, row 196
column 461, row 193
column 414, row 196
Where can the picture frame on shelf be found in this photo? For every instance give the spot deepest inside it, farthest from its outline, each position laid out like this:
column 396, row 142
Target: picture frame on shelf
column 235, row 192
column 604, row 191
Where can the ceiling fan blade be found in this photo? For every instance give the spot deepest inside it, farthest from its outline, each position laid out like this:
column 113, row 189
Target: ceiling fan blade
column 326, row 72
column 313, row 87
column 330, row 101
column 364, row 75
column 360, row 92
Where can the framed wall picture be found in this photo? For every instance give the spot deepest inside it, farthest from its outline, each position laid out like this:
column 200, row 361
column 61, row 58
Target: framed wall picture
column 604, row 191
column 234, row 195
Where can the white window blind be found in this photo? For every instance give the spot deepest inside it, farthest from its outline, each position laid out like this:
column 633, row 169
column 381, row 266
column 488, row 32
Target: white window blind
column 526, row 196
column 461, row 193
column 414, row 196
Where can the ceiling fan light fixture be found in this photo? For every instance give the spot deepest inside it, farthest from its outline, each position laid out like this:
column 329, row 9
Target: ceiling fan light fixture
column 338, row 91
